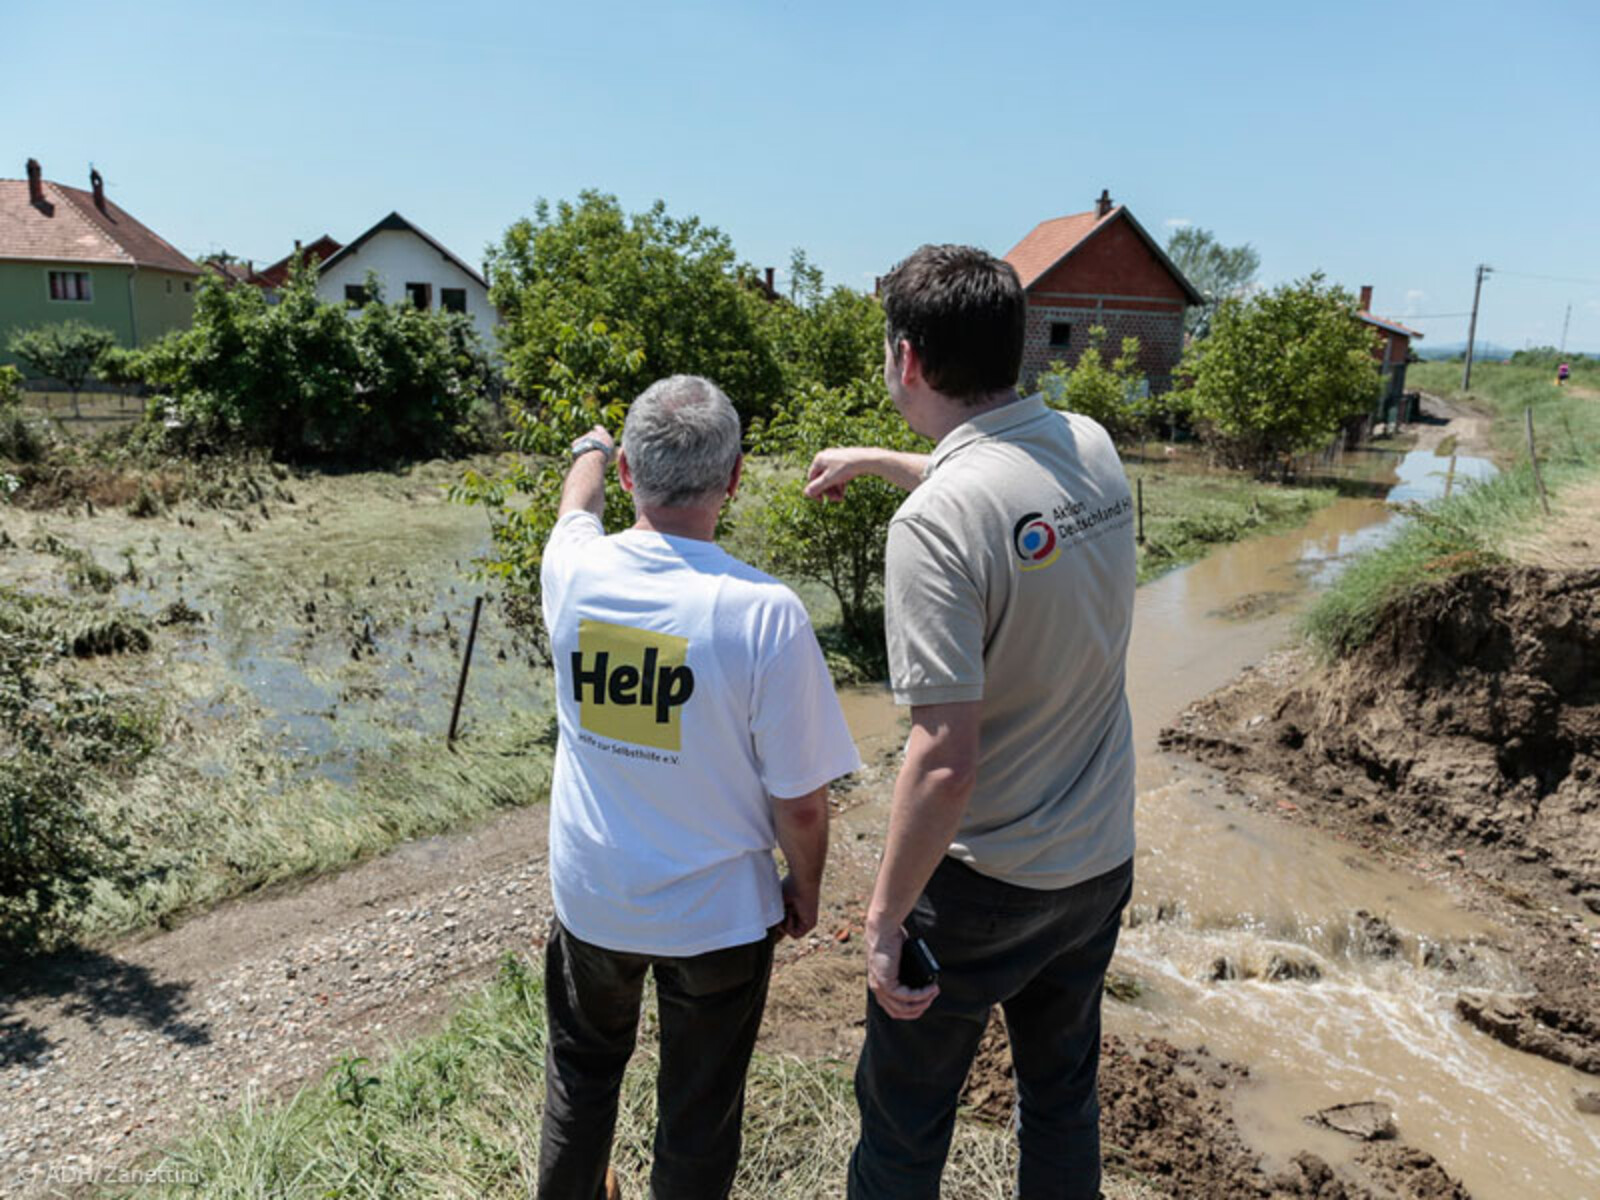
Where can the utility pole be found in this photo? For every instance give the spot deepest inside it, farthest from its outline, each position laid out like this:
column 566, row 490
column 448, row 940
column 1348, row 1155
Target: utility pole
column 1564, row 324
column 1472, row 327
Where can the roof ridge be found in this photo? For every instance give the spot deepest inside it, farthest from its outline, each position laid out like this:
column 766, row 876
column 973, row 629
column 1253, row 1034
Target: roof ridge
column 71, row 201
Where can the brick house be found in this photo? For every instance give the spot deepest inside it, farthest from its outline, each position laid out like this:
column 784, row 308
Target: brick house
column 1100, row 268
column 1392, row 352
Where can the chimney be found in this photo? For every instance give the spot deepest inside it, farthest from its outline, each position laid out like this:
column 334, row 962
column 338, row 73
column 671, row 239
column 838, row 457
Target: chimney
column 1366, row 298
column 1103, row 205
column 98, row 186
column 772, row 291
column 35, row 182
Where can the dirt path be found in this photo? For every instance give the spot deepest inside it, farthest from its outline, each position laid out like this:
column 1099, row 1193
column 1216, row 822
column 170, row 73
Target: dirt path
column 105, row 1054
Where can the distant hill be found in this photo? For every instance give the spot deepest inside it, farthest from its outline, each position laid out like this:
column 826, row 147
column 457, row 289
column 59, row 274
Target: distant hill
column 1483, row 352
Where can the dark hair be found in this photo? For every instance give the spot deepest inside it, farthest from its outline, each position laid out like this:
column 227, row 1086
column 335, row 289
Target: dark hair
column 963, row 312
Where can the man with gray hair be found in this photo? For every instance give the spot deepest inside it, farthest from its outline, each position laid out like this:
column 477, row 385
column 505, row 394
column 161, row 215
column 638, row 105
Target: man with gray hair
column 699, row 729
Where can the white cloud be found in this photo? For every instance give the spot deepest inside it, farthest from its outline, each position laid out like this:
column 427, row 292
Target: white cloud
column 1177, row 222
column 1414, row 299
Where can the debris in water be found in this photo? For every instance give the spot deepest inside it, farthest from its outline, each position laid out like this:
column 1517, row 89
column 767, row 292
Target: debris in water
column 1368, row 1120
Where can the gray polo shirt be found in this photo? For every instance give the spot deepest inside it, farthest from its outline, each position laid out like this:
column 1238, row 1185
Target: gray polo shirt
column 1010, row 580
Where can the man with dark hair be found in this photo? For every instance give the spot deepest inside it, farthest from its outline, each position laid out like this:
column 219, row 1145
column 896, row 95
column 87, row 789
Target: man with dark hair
column 698, row 729
column 1009, row 591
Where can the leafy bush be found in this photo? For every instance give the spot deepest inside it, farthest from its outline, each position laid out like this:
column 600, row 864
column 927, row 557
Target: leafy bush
column 1279, row 373
column 668, row 286
column 304, row 379
column 832, row 337
column 589, row 382
column 67, row 351
column 23, row 437
column 1114, row 394
column 56, row 740
column 839, row 545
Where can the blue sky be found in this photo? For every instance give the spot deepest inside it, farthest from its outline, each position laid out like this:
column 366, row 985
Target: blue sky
column 1397, row 145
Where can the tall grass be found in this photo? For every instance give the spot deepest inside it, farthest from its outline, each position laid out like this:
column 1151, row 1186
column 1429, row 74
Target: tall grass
column 203, row 836
column 1473, row 527
column 456, row 1114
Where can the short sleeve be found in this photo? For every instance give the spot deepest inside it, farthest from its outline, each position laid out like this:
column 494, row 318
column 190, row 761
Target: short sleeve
column 934, row 617
column 799, row 731
column 561, row 551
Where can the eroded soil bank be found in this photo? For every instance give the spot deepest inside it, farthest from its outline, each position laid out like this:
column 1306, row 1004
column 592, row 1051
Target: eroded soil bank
column 1464, row 741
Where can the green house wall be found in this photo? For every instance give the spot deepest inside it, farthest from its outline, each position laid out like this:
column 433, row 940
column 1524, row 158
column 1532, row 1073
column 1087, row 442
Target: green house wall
column 136, row 305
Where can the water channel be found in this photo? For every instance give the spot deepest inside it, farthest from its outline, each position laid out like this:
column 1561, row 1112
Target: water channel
column 1227, row 897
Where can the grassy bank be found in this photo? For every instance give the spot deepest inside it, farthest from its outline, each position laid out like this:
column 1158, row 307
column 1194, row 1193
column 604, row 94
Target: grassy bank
column 1474, row 527
column 1189, row 511
column 457, row 1114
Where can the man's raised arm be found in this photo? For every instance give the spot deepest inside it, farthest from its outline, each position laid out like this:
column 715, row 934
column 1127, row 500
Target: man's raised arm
column 836, row 466
column 584, row 488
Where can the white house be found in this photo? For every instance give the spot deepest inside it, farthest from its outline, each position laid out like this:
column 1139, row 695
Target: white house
column 409, row 265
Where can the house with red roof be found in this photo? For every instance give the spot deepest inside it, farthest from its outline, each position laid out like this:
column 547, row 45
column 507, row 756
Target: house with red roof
column 1100, row 268
column 1392, row 350
column 68, row 253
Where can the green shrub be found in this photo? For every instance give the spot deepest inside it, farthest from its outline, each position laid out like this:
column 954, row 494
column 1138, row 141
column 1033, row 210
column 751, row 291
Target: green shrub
column 305, row 380
column 1113, row 393
column 1279, row 373
column 24, row 438
column 839, row 545
column 56, row 741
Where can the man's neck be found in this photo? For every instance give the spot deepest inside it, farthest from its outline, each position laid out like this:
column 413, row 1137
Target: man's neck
column 698, row 522
column 950, row 414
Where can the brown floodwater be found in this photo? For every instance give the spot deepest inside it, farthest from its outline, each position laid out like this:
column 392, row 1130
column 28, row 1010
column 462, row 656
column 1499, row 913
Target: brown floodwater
column 1253, row 935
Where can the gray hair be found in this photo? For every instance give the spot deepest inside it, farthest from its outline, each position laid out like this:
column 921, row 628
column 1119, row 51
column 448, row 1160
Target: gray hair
column 682, row 439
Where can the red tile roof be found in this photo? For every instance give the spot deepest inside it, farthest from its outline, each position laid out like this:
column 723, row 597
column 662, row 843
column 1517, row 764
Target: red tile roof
column 315, row 252
column 74, row 230
column 1051, row 241
column 1388, row 323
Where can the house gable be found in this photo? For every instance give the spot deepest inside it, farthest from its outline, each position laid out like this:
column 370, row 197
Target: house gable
column 1115, row 260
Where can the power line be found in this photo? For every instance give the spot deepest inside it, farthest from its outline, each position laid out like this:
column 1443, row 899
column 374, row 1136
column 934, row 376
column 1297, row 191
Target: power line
column 1548, row 278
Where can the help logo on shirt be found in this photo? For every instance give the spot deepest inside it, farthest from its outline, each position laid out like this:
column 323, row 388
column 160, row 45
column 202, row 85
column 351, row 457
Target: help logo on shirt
column 630, row 683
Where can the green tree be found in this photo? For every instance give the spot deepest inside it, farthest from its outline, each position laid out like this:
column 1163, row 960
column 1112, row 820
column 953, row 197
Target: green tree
column 669, row 285
column 1113, row 393
column 1217, row 272
column 839, row 545
column 828, row 337
column 305, row 379
column 590, row 383
column 1279, row 373
column 68, row 351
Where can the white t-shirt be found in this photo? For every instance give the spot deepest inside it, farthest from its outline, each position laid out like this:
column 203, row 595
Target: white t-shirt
column 690, row 690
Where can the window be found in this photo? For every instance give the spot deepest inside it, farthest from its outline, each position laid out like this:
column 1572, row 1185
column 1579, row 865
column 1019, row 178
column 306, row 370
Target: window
column 169, row 287
column 188, row 286
column 1060, row 333
column 70, row 285
column 453, row 299
column 355, row 295
column 420, row 294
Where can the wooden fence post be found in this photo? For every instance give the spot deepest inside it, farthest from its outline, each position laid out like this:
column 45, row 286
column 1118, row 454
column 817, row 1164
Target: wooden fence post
column 1139, row 487
column 466, row 663
column 1533, row 457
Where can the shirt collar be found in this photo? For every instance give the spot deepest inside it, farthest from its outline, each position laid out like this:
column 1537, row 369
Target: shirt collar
column 986, row 425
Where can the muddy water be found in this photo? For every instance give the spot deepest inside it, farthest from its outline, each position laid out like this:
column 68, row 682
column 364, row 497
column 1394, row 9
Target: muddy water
column 1332, row 977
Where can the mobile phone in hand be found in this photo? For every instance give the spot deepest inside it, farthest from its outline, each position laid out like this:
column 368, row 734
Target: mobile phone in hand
column 918, row 967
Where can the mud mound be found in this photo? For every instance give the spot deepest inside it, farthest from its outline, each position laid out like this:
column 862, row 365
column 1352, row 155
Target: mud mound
column 1480, row 701
column 1470, row 728
column 1166, row 1119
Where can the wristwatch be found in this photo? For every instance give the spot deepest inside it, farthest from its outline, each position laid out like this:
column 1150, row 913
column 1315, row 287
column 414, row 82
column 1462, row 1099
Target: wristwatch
column 589, row 442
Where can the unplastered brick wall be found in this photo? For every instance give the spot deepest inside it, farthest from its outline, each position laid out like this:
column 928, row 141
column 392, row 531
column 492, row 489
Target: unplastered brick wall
column 1160, row 339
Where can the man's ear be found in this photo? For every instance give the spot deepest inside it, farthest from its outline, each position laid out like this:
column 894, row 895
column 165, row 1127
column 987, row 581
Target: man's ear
column 624, row 471
column 909, row 364
column 738, row 474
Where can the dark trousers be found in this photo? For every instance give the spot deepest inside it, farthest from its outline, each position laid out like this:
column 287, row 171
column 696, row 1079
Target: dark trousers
column 1042, row 956
column 710, row 1008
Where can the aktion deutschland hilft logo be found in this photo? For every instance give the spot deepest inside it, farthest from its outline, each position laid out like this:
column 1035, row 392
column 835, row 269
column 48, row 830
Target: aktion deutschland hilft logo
column 1035, row 540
